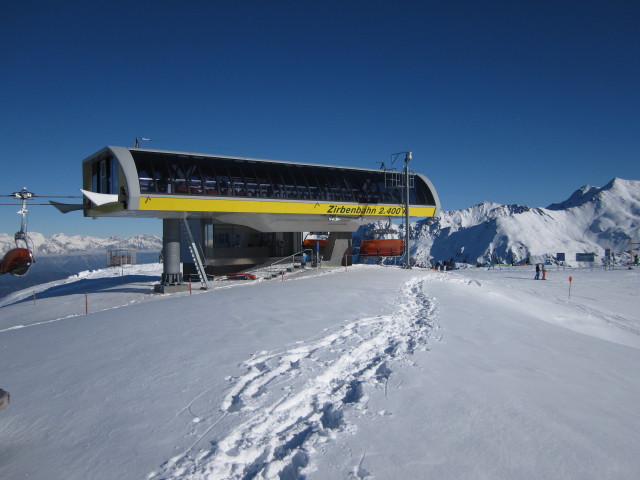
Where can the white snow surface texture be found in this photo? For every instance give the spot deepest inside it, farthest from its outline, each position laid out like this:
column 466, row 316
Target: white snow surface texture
column 370, row 372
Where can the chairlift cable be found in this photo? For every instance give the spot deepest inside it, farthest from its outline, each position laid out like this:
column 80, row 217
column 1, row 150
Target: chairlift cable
column 41, row 196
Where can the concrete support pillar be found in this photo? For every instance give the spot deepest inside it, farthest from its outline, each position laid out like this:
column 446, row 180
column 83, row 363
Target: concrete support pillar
column 338, row 245
column 171, row 248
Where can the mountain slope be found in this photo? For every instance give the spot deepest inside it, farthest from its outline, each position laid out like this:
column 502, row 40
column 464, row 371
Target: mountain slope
column 590, row 220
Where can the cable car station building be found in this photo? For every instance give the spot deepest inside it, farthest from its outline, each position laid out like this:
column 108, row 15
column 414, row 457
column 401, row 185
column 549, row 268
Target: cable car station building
column 241, row 211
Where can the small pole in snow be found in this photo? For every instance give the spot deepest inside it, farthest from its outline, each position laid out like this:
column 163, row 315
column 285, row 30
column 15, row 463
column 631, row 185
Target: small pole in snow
column 283, row 275
column 190, row 288
column 86, row 304
column 570, row 280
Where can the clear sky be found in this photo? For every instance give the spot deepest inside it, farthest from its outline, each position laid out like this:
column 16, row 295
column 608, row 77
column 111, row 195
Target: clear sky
column 506, row 101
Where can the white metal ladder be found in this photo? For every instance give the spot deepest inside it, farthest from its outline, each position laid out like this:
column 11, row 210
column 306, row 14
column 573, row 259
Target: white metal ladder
column 195, row 253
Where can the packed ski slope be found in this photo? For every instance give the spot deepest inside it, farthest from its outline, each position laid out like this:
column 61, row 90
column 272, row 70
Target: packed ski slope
column 367, row 373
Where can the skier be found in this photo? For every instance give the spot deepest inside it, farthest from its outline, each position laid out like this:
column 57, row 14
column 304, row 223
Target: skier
column 544, row 272
column 537, row 277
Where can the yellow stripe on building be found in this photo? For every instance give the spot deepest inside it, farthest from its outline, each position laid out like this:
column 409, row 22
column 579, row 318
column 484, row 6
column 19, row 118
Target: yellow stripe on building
column 173, row 204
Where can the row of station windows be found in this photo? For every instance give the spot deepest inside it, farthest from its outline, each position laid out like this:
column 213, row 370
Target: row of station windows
column 211, row 176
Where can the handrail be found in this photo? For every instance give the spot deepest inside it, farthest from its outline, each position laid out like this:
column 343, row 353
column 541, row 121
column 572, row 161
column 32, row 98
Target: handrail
column 288, row 258
column 292, row 257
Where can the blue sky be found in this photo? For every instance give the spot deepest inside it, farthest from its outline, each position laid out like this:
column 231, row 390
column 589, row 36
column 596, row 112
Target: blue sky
column 504, row 101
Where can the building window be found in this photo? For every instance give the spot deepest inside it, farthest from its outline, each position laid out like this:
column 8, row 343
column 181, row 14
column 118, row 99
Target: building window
column 213, row 176
column 104, row 176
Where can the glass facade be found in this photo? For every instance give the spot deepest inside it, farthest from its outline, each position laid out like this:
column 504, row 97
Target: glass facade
column 181, row 174
column 104, row 175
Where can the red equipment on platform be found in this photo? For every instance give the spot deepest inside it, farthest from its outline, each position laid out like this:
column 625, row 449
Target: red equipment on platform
column 313, row 238
column 382, row 243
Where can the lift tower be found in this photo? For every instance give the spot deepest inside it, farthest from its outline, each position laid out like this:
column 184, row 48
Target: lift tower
column 407, row 181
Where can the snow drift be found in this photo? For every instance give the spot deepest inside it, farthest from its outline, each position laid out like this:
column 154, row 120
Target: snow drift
column 363, row 373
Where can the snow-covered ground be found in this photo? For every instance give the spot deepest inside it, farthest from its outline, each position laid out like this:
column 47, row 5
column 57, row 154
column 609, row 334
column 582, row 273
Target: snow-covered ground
column 367, row 373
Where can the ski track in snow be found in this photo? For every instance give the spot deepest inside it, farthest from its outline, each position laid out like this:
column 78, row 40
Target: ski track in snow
column 290, row 401
column 597, row 312
column 615, row 320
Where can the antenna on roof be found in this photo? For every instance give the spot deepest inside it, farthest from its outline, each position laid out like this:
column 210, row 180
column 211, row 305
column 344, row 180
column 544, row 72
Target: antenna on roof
column 137, row 142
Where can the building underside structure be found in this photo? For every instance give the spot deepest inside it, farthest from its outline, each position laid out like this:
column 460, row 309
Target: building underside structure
column 241, row 211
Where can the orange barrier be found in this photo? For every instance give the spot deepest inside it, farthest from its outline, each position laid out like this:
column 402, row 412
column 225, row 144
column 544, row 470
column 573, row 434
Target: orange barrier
column 312, row 243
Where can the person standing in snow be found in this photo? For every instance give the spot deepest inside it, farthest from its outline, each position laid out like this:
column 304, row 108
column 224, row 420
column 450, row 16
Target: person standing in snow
column 544, row 272
column 537, row 277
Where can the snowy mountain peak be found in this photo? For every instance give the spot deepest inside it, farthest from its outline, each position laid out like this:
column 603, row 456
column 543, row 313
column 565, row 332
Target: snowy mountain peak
column 579, row 197
column 591, row 220
column 617, row 187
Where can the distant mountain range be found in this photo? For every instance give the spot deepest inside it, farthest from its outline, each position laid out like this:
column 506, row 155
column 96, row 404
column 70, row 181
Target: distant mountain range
column 61, row 244
column 590, row 220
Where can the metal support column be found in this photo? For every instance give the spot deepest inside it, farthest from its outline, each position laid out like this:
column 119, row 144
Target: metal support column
column 171, row 252
column 407, row 159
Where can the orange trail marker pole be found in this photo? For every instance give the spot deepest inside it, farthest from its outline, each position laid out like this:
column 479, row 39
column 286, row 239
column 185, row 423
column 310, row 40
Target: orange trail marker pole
column 570, row 280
